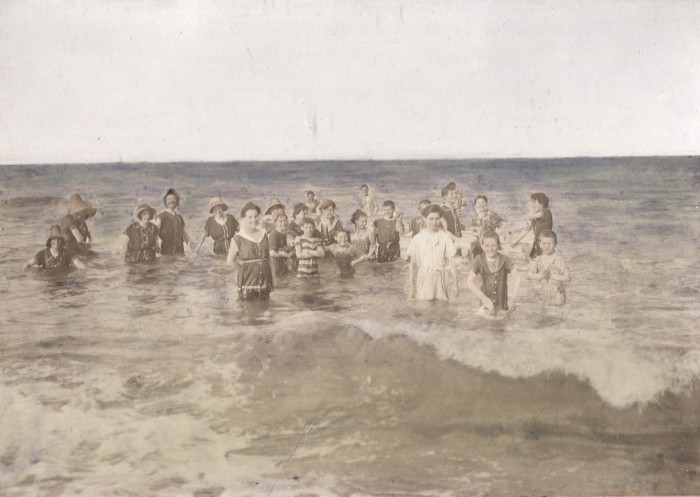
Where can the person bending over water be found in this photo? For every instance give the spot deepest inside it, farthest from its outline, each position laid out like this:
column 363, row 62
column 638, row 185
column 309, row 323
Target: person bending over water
column 55, row 257
column 494, row 268
column 141, row 237
column 432, row 255
column 550, row 268
column 250, row 251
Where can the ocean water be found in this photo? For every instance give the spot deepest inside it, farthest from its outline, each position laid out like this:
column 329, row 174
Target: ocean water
column 121, row 380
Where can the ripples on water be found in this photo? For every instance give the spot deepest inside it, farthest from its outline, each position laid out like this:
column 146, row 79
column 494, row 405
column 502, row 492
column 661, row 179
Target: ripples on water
column 157, row 381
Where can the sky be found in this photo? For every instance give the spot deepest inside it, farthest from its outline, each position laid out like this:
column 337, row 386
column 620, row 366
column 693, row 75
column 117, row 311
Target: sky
column 156, row 81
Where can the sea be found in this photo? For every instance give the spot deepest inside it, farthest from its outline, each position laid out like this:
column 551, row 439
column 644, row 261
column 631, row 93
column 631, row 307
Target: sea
column 121, row 380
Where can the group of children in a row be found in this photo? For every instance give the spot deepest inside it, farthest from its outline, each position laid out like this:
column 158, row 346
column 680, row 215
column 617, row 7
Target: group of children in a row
column 285, row 246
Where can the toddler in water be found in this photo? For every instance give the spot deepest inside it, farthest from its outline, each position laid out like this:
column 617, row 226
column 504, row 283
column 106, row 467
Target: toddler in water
column 550, row 268
column 308, row 250
column 346, row 256
column 494, row 269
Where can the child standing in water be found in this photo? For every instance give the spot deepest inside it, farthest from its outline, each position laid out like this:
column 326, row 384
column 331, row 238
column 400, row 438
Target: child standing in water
column 494, row 269
column 432, row 253
column 346, row 256
column 312, row 203
column 388, row 229
column 364, row 237
column 484, row 220
column 282, row 254
column 418, row 223
column 539, row 220
column 550, row 268
column 295, row 225
column 308, row 250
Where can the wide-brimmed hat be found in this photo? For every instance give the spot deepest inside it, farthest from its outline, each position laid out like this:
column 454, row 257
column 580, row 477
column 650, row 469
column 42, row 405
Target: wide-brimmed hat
column 215, row 202
column 171, row 191
column 249, row 206
column 145, row 207
column 273, row 204
column 80, row 206
column 54, row 233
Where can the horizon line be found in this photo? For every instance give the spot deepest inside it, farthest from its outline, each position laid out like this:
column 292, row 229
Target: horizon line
column 350, row 160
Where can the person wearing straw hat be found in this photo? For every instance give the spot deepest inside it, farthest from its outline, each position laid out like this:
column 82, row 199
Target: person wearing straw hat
column 220, row 227
column 250, row 251
column 55, row 257
column 73, row 226
column 141, row 237
column 274, row 209
column 171, row 227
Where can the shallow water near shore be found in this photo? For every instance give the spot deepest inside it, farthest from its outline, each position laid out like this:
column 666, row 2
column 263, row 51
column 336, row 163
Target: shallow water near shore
column 156, row 380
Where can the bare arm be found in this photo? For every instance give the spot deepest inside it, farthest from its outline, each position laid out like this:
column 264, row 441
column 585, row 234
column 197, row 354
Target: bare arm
column 204, row 237
column 453, row 269
column 31, row 262
column 232, row 253
column 76, row 262
column 471, row 283
column 77, row 235
column 412, row 271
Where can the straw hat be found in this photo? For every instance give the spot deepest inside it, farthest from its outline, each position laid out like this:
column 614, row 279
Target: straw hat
column 145, row 207
column 54, row 233
column 79, row 206
column 171, row 191
column 273, row 204
column 215, row 202
column 249, row 206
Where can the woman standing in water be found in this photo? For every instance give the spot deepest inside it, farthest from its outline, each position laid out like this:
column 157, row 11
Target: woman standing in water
column 328, row 224
column 250, row 250
column 141, row 237
column 73, row 227
column 221, row 226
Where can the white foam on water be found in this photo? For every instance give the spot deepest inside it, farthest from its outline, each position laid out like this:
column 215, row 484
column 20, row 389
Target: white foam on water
column 620, row 370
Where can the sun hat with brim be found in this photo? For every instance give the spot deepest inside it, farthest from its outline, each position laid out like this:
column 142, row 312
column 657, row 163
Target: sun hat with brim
column 78, row 206
column 145, row 207
column 249, row 206
column 54, row 233
column 171, row 191
column 273, row 204
column 216, row 202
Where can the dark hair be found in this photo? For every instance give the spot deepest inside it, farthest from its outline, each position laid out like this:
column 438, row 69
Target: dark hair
column 307, row 220
column 281, row 215
column 548, row 234
column 432, row 208
column 481, row 196
column 310, row 191
column 541, row 198
column 493, row 236
column 445, row 191
column 451, row 185
column 389, row 203
column 364, row 185
column 298, row 208
column 249, row 206
column 357, row 215
column 424, row 202
column 341, row 231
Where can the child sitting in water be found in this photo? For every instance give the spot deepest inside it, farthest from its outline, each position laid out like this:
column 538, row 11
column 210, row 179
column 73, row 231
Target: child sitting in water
column 494, row 268
column 346, row 256
column 308, row 250
column 282, row 254
column 550, row 268
column 389, row 229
